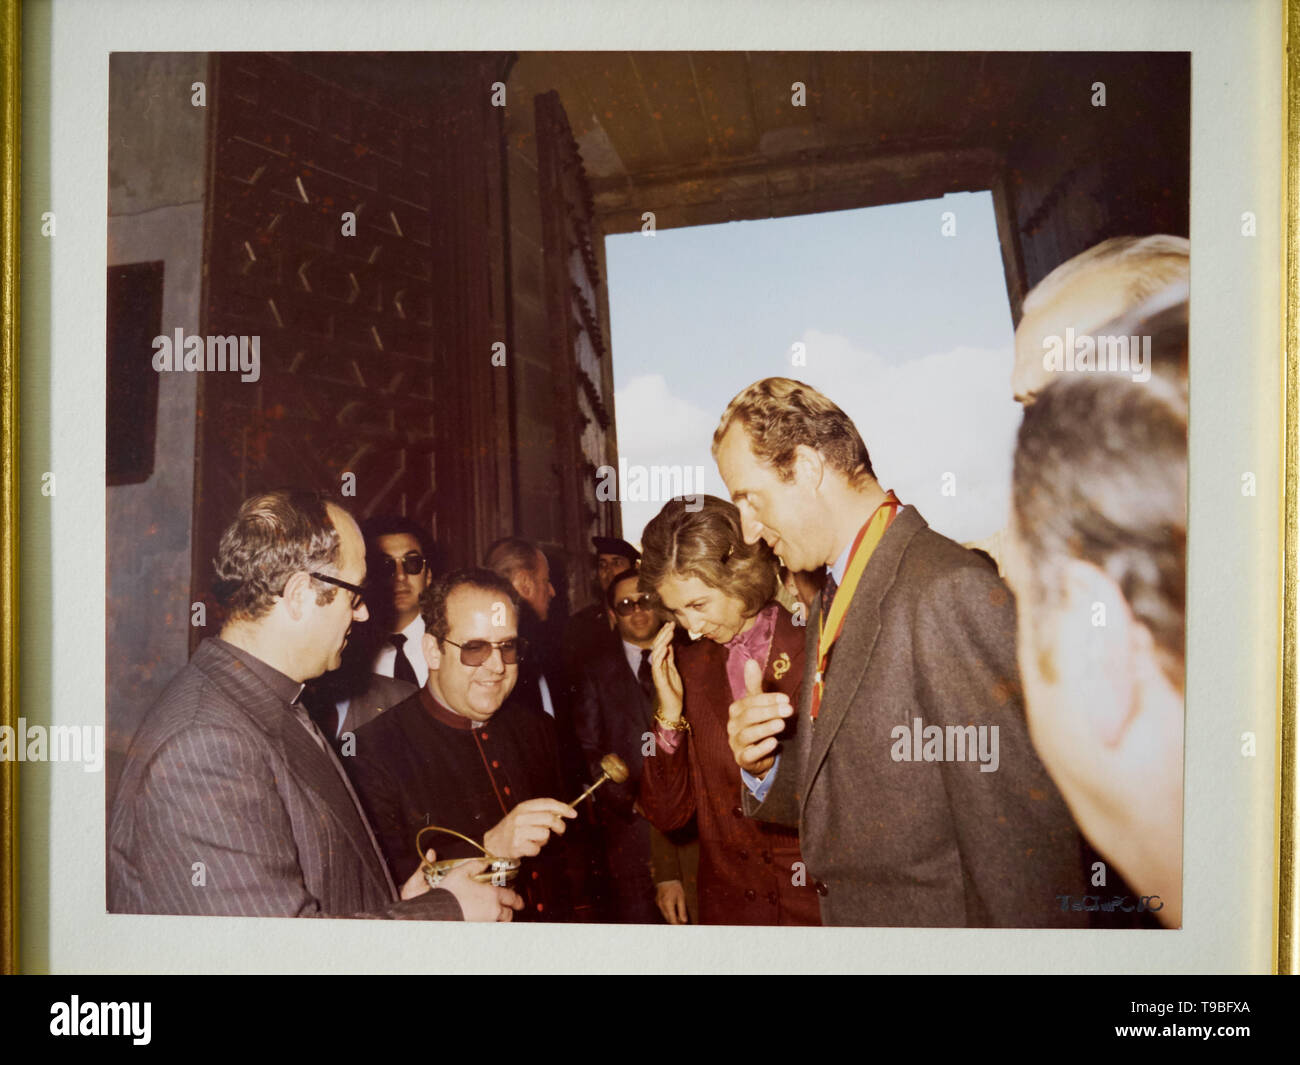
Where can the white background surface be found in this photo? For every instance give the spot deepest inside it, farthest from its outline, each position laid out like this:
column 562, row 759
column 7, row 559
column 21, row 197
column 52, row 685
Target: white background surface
column 1235, row 428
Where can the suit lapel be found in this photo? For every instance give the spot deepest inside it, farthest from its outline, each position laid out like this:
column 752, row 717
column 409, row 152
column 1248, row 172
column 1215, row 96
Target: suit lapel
column 314, row 769
column 622, row 682
column 852, row 652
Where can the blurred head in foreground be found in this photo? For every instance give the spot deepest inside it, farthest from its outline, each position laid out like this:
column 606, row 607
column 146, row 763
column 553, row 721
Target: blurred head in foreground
column 1110, row 280
column 1098, row 563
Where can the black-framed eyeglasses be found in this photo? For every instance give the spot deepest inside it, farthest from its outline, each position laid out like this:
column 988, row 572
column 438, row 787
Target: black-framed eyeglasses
column 476, row 652
column 412, row 564
column 358, row 593
column 625, row 606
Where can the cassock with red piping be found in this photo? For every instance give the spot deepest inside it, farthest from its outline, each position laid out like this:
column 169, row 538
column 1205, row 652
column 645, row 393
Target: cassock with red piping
column 420, row 764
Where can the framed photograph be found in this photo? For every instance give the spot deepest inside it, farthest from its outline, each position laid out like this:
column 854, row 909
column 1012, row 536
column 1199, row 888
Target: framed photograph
column 490, row 282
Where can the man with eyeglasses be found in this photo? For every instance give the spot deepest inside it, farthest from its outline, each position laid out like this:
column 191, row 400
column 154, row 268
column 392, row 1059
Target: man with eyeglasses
column 388, row 664
column 232, row 802
column 400, row 568
column 462, row 755
column 615, row 712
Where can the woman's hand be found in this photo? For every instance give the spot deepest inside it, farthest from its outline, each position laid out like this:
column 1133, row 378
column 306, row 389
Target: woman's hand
column 668, row 682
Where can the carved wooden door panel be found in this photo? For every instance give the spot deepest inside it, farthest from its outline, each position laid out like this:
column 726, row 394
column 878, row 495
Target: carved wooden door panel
column 580, row 359
column 339, row 235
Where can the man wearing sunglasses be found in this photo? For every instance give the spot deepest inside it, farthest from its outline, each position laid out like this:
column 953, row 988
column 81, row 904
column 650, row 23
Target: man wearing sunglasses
column 462, row 755
column 588, row 631
column 232, row 802
column 388, row 664
column 399, row 554
column 615, row 712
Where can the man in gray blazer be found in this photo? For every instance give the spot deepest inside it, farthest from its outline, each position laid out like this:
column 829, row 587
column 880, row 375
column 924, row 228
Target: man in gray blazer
column 232, row 802
column 907, row 765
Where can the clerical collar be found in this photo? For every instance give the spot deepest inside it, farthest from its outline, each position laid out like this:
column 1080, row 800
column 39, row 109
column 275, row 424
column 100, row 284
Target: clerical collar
column 447, row 716
column 282, row 686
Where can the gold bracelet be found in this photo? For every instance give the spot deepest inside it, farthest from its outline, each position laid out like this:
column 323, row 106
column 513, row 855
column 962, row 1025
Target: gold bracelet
column 680, row 725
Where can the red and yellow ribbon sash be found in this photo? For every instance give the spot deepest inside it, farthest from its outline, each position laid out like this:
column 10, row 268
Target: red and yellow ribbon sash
column 831, row 622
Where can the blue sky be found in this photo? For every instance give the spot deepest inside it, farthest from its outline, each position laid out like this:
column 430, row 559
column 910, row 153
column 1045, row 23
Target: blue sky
column 906, row 329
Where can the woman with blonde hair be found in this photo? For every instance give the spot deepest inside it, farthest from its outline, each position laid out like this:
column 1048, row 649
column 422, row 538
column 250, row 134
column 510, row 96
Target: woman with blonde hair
column 723, row 592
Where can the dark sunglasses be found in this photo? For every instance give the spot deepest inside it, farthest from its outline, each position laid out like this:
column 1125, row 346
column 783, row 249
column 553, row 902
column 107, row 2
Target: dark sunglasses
column 386, row 565
column 624, row 607
column 358, row 593
column 476, row 652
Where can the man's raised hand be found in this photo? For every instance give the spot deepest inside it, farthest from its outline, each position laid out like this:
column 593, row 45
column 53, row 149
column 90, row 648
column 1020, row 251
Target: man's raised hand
column 754, row 721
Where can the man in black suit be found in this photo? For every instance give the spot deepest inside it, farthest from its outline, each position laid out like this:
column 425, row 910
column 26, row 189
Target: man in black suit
column 386, row 663
column 910, row 774
column 588, row 632
column 232, row 802
column 461, row 754
column 614, row 713
column 542, row 682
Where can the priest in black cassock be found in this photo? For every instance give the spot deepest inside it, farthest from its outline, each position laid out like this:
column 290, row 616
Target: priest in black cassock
column 461, row 754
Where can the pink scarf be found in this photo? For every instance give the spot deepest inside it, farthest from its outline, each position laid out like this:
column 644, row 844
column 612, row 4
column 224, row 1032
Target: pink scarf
column 755, row 644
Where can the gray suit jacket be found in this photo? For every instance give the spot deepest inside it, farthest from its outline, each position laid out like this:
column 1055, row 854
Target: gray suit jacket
column 930, row 634
column 228, row 806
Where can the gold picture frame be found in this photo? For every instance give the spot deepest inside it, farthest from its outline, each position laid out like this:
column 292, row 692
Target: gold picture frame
column 1286, row 880
column 10, row 124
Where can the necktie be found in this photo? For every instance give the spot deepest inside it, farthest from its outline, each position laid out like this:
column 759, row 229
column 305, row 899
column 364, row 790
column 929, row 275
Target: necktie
column 643, row 676
column 828, row 593
column 402, row 668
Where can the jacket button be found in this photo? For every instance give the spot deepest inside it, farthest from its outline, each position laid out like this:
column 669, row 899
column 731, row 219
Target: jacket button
column 736, row 811
column 750, row 895
column 743, row 855
column 821, row 888
column 771, row 897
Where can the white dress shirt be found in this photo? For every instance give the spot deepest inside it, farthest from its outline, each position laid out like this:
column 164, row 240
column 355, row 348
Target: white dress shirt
column 633, row 654
column 386, row 659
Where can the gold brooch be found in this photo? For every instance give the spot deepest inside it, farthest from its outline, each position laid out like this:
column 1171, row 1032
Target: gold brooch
column 781, row 666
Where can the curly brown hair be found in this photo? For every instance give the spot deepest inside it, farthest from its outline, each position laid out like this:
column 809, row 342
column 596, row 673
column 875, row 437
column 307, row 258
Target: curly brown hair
column 778, row 414
column 275, row 535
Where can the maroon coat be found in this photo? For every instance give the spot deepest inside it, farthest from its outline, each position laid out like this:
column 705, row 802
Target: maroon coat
column 751, row 872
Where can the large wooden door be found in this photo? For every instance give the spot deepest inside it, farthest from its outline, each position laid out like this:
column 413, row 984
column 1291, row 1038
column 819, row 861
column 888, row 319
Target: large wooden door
column 580, row 360
column 355, row 226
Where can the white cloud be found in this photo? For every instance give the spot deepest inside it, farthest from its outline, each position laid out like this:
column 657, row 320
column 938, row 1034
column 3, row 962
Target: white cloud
column 946, row 413
column 658, row 428
column 950, row 412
